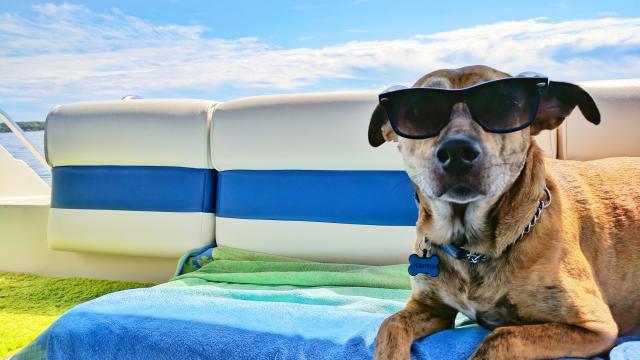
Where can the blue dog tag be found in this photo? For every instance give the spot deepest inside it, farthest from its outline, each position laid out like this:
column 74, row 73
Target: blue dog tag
column 424, row 265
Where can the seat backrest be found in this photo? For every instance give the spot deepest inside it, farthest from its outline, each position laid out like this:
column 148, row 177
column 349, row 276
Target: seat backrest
column 131, row 177
column 297, row 177
column 619, row 131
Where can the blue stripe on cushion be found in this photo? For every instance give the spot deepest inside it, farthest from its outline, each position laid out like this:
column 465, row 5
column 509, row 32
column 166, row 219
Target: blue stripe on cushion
column 349, row 197
column 136, row 188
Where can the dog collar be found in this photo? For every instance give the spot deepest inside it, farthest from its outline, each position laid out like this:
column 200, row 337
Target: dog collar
column 460, row 253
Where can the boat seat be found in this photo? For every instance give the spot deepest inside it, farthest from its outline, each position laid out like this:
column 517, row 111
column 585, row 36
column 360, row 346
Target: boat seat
column 298, row 178
column 131, row 177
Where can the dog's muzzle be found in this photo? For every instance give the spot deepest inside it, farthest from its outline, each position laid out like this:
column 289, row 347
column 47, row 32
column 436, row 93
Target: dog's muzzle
column 458, row 154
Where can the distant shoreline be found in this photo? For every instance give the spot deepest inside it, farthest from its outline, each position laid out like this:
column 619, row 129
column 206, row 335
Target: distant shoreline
column 25, row 126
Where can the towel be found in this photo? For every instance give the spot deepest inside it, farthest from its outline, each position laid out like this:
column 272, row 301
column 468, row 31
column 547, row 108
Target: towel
column 246, row 305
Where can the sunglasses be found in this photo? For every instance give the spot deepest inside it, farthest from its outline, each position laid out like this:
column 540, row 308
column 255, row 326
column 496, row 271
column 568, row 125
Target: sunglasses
column 498, row 106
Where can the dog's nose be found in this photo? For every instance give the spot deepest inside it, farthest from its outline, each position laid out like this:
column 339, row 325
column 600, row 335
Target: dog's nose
column 457, row 154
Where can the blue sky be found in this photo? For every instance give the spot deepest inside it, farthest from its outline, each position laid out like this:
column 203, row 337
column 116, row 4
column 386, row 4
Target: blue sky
column 61, row 52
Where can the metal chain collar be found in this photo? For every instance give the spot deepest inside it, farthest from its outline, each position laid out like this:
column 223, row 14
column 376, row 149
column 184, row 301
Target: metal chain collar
column 541, row 206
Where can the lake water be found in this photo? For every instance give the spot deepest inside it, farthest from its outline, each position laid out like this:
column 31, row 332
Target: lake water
column 10, row 142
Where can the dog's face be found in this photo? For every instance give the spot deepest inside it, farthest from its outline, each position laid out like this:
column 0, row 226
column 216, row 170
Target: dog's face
column 464, row 163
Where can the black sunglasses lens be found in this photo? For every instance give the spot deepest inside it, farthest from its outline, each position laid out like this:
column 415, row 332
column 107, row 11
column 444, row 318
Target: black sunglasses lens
column 418, row 113
column 505, row 105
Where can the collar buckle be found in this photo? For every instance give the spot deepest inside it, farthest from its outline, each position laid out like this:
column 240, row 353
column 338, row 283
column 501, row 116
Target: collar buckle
column 474, row 258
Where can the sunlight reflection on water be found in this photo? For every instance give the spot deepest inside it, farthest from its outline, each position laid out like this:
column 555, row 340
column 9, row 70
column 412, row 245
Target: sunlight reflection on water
column 10, row 142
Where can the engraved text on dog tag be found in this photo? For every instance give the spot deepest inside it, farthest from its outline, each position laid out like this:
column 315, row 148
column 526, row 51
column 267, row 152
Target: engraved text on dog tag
column 424, row 265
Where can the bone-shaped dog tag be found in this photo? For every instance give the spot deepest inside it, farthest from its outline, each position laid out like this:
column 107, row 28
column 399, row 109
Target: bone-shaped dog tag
column 424, row 265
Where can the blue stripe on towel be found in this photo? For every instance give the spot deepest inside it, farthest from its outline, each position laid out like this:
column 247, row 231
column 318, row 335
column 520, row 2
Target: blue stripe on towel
column 136, row 188
column 252, row 322
column 349, row 197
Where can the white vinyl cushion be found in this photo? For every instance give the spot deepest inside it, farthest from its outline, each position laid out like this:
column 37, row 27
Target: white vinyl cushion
column 327, row 242
column 130, row 132
column 300, row 131
column 619, row 131
column 142, row 233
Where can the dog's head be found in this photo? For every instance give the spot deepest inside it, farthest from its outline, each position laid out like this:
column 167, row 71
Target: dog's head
column 463, row 162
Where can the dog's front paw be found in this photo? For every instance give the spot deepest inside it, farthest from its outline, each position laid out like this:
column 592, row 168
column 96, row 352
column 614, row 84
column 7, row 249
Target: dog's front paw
column 495, row 346
column 390, row 355
column 484, row 352
column 392, row 341
column 480, row 355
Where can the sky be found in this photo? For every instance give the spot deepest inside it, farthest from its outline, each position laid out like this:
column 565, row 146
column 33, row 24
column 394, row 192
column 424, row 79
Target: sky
column 62, row 52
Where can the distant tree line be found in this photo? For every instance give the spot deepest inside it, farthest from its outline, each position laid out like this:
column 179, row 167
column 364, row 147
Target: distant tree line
column 24, row 125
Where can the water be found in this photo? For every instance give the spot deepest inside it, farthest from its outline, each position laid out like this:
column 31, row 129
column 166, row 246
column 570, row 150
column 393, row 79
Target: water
column 15, row 147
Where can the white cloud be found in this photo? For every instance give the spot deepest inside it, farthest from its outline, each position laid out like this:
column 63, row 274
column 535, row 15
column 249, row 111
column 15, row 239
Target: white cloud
column 607, row 13
column 65, row 53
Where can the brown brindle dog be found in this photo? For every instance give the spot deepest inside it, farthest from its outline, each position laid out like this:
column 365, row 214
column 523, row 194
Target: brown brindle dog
column 566, row 289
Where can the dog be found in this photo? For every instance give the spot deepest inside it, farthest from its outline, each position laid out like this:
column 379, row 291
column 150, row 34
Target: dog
column 546, row 253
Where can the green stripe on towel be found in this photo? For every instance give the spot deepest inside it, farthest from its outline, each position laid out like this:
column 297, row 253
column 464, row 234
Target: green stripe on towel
column 238, row 266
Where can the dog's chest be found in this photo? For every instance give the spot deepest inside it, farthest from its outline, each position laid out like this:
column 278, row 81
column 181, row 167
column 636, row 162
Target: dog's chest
column 479, row 298
column 489, row 313
column 460, row 302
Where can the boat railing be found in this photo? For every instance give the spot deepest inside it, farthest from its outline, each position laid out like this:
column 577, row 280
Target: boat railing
column 17, row 131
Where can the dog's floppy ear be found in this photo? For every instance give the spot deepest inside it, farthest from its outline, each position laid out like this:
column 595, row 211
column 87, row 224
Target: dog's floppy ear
column 379, row 128
column 558, row 102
